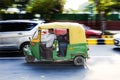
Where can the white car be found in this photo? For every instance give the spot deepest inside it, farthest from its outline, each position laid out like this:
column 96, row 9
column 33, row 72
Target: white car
column 117, row 40
column 14, row 34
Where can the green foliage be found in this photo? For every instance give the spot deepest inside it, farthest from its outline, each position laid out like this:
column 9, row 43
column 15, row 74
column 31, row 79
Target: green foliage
column 45, row 7
column 106, row 5
column 103, row 7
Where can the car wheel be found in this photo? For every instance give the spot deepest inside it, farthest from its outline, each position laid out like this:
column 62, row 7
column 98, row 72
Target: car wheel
column 79, row 60
column 29, row 58
column 24, row 45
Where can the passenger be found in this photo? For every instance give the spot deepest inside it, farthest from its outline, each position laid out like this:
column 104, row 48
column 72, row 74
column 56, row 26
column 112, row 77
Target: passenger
column 62, row 42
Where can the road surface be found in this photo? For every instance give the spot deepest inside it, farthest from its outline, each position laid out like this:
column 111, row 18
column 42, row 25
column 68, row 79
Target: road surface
column 104, row 64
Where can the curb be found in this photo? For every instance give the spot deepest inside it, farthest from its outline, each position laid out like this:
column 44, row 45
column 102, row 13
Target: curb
column 101, row 41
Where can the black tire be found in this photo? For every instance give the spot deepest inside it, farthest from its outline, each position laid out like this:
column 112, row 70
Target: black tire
column 29, row 58
column 78, row 61
column 24, row 45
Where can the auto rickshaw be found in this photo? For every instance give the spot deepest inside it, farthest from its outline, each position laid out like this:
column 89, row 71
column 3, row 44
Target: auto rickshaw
column 76, row 51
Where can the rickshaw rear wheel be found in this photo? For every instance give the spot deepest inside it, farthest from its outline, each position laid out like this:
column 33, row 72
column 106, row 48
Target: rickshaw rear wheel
column 78, row 61
column 29, row 58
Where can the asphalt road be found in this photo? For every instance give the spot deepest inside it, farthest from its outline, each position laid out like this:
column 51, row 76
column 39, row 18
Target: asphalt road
column 104, row 64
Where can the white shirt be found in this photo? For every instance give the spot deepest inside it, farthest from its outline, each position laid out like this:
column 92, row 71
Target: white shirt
column 50, row 39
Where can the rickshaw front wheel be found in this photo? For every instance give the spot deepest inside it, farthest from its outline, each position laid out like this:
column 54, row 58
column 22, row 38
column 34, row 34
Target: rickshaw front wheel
column 29, row 58
column 78, row 61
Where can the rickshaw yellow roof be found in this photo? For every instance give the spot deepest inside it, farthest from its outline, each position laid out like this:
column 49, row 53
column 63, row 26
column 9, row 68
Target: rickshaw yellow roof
column 61, row 25
column 76, row 31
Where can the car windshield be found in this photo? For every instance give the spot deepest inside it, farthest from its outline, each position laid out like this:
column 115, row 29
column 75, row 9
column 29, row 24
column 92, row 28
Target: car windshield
column 16, row 26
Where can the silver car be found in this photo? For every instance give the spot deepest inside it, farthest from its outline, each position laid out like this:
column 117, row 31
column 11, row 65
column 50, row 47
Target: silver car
column 14, row 34
column 117, row 40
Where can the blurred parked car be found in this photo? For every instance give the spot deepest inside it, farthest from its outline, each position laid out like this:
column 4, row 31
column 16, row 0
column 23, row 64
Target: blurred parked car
column 117, row 40
column 91, row 33
column 14, row 34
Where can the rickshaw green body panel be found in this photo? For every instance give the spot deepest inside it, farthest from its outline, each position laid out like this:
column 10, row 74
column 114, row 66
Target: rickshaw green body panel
column 73, row 50
column 35, row 50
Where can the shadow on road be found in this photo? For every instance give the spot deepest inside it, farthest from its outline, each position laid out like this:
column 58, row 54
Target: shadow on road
column 53, row 65
column 116, row 49
column 10, row 54
column 58, row 66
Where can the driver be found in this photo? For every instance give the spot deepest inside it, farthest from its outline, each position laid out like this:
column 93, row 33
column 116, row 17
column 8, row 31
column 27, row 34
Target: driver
column 49, row 43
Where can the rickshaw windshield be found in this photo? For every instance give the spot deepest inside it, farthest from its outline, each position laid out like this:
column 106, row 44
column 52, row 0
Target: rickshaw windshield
column 34, row 36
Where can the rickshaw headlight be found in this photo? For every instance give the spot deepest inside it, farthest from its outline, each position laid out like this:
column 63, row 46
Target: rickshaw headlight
column 33, row 44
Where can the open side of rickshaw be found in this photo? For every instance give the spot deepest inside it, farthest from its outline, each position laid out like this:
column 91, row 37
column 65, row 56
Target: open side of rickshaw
column 76, row 51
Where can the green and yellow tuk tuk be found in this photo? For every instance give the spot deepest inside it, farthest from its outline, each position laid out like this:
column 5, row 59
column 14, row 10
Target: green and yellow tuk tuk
column 76, row 51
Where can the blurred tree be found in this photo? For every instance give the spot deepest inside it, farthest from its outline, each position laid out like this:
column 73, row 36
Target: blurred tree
column 45, row 7
column 103, row 7
column 106, row 6
column 116, row 5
